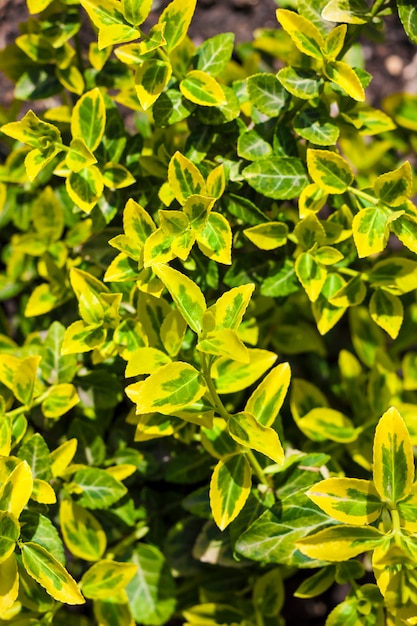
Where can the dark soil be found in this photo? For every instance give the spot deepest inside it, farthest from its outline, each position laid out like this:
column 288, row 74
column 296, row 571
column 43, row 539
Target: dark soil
column 392, row 62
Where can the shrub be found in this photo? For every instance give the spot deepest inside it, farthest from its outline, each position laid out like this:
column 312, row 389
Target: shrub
column 188, row 232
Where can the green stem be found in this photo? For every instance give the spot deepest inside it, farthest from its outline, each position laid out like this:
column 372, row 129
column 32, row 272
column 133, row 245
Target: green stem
column 257, row 468
column 137, row 534
column 362, row 194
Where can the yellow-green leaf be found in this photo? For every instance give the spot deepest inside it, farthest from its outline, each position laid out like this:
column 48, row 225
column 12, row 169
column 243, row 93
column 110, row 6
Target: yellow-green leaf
column 9, row 534
column 176, row 19
column 203, row 89
column 246, row 430
column 9, row 583
column 48, row 572
column 185, row 178
column 82, row 337
column 106, row 578
column 329, row 170
column 230, row 376
column 82, row 532
column 345, row 76
column 229, row 488
column 167, row 390
column 311, row 275
column 394, row 188
column 116, row 176
column 187, row 296
column 224, row 341
column 43, row 492
column 323, row 423
column 145, row 360
column 268, row 236
column 136, row 12
column 88, row 118
column 60, row 399
column 85, row 187
column 215, row 239
column 16, row 489
column 151, row 78
column 349, row 500
column 393, row 457
column 266, row 400
column 62, row 456
column 230, row 308
column 370, row 230
column 340, row 543
column 304, row 33
column 387, row 311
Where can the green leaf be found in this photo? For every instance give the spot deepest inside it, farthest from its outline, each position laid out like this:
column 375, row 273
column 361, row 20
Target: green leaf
column 268, row 236
column 229, row 488
column 16, row 489
column 230, row 376
column 316, row 584
column 186, row 294
column 311, row 275
column 167, row 390
column 9, row 534
column 185, row 178
column 41, row 530
column 266, row 400
column 281, row 178
column 49, row 573
column 315, row 125
column 349, row 500
column 395, row 187
column 408, row 16
column 268, row 593
column 152, row 76
column 304, row 84
column 151, row 591
column 370, row 230
column 36, row 453
column 224, row 342
column 215, row 239
column 252, row 147
column 340, row 543
column 215, row 53
column 98, row 488
column 85, row 187
column 176, row 19
column 230, row 308
column 267, row 94
column 116, row 176
column 393, row 466
column 329, row 170
column 19, row 375
column 387, row 311
column 304, row 34
column 246, row 430
column 82, row 337
column 61, row 398
column 106, row 578
column 345, row 77
column 88, row 119
column 203, row 89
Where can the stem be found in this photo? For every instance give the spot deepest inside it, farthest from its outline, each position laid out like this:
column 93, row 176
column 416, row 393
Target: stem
column 362, row 194
column 257, row 468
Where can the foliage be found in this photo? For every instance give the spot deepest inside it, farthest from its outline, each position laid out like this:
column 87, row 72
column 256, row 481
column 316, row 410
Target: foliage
column 188, row 232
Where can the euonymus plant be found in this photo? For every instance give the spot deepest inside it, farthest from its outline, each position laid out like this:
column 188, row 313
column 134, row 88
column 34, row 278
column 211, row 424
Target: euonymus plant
column 208, row 348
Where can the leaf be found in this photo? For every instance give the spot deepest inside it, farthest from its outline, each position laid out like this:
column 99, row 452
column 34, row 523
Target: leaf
column 393, row 466
column 230, row 308
column 329, row 170
column 229, row 488
column 268, row 236
column 98, row 488
column 113, row 611
column 266, row 400
column 151, row 591
column 315, row 125
column 104, row 12
column 9, row 534
column 370, row 230
column 49, row 573
column 252, row 147
column 267, row 94
column 116, row 176
column 186, row 294
column 176, row 19
column 281, row 178
column 167, row 390
column 345, row 77
column 54, row 367
column 230, row 376
column 387, row 311
column 152, row 76
column 351, row 12
column 41, row 530
column 36, row 453
column 203, row 89
column 145, row 360
column 340, row 543
column 9, row 583
column 395, row 187
column 185, row 178
column 33, row 132
column 408, row 16
column 304, row 34
column 304, row 84
column 83, row 534
column 85, row 187
column 223, row 342
column 106, row 578
column 316, row 584
column 88, row 119
column 19, row 375
column 215, row 53
column 60, row 399
column 16, row 490
column 215, row 239
column 81, row 337
column 268, row 593
column 136, row 12
column 311, row 275
column 349, row 500
column 246, row 430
